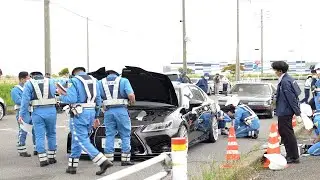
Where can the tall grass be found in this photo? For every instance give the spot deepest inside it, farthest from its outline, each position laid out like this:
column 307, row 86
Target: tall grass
column 6, row 85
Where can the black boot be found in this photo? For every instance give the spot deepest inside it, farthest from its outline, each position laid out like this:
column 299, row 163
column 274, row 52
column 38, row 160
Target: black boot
column 125, row 159
column 104, row 166
column 52, row 157
column 43, row 159
column 25, row 154
column 103, row 162
column 35, row 153
column 73, row 164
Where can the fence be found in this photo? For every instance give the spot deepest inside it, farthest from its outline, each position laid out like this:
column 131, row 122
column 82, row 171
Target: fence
column 174, row 163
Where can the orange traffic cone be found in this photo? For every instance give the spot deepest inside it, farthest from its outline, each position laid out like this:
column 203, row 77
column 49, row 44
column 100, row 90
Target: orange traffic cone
column 294, row 121
column 273, row 143
column 232, row 149
column 279, row 137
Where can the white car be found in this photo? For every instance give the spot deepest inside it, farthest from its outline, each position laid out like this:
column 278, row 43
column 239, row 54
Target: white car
column 3, row 108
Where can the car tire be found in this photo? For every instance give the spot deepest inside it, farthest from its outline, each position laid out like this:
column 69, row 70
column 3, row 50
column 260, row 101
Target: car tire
column 214, row 131
column 1, row 111
column 270, row 114
column 183, row 132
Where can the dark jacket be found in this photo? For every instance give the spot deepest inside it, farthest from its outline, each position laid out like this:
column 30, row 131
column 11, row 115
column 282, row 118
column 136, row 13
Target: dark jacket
column 287, row 102
column 203, row 84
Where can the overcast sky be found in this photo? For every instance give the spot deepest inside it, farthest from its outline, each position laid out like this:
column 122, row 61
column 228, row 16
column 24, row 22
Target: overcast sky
column 147, row 33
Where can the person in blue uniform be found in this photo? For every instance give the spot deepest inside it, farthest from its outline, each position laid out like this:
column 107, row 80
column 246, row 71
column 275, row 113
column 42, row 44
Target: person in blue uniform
column 16, row 94
column 203, row 82
column 223, row 118
column 40, row 93
column 184, row 78
column 246, row 122
column 315, row 148
column 85, row 100
column 316, row 89
column 117, row 94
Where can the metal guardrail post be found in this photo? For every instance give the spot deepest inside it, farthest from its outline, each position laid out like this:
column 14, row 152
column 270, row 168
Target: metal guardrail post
column 179, row 158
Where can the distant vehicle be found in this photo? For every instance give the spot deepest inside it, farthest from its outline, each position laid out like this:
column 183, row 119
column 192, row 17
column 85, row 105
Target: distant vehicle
column 173, row 109
column 173, row 76
column 3, row 108
column 257, row 95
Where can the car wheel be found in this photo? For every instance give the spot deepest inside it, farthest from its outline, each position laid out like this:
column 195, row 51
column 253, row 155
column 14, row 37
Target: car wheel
column 271, row 114
column 1, row 111
column 214, row 131
column 183, row 132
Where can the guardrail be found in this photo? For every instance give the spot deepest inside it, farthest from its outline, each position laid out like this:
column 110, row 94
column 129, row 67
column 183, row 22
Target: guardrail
column 174, row 163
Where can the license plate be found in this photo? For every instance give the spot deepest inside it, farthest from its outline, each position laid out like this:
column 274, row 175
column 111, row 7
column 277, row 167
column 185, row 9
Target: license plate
column 117, row 143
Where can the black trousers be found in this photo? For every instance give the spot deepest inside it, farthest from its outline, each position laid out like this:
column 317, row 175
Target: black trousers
column 287, row 136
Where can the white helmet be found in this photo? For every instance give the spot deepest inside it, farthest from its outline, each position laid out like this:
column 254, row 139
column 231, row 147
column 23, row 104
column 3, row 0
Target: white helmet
column 317, row 68
column 234, row 100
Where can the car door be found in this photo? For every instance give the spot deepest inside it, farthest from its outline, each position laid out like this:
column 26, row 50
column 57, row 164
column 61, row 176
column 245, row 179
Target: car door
column 199, row 126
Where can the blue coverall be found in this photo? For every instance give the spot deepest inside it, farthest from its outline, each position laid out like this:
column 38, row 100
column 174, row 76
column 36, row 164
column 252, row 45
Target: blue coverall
column 315, row 149
column 16, row 95
column 81, row 125
column 116, row 119
column 242, row 129
column 203, row 84
column 44, row 119
column 225, row 117
column 317, row 96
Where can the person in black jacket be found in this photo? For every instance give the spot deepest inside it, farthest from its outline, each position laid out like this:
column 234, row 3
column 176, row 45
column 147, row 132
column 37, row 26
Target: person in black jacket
column 287, row 105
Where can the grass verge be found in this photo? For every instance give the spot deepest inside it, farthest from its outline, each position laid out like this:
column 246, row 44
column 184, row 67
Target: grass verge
column 5, row 90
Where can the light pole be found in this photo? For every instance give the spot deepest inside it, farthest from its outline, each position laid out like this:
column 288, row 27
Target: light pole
column 238, row 47
column 184, row 37
column 261, row 51
column 47, row 47
column 88, row 44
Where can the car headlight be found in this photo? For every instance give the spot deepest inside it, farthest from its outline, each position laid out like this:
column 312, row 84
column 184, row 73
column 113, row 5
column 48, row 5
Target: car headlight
column 158, row 126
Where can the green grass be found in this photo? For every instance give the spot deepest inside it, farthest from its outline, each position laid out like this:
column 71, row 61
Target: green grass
column 5, row 90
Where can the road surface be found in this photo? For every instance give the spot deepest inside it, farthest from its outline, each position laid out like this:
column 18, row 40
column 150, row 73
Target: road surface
column 14, row 167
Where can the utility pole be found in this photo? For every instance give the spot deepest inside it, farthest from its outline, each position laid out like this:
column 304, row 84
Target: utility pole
column 47, row 36
column 261, row 51
column 184, row 38
column 88, row 44
column 238, row 46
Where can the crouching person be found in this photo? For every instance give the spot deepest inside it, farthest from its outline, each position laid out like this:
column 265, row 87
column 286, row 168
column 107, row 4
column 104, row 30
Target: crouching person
column 246, row 122
column 314, row 150
column 223, row 118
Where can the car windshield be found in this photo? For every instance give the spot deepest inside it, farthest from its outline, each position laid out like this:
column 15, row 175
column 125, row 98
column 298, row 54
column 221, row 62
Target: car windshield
column 194, row 80
column 178, row 94
column 173, row 77
column 251, row 89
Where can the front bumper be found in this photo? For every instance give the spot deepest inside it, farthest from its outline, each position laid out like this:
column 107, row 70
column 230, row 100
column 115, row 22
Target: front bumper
column 143, row 144
column 260, row 110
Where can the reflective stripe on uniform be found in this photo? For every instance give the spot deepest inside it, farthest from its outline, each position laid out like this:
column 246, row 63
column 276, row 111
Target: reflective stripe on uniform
column 99, row 159
column 110, row 156
column 22, row 149
column 125, row 157
column 19, row 86
column 112, row 100
column 252, row 114
column 43, row 157
column 85, row 105
column 51, row 154
column 73, row 162
column 90, row 97
column 42, row 99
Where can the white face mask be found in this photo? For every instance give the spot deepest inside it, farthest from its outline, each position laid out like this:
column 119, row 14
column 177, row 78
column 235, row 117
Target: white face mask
column 206, row 78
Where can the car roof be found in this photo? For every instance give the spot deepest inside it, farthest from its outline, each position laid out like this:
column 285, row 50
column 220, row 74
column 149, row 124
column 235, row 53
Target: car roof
column 177, row 84
column 253, row 82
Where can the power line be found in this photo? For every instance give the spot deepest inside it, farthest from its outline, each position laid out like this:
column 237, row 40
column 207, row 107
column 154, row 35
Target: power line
column 77, row 14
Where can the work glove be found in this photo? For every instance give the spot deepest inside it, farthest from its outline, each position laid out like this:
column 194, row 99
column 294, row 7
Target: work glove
column 299, row 119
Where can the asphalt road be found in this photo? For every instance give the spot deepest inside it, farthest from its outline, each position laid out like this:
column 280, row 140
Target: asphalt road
column 14, row 167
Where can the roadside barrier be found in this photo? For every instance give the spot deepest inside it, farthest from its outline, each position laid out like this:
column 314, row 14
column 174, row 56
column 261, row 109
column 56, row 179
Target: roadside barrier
column 174, row 164
column 232, row 149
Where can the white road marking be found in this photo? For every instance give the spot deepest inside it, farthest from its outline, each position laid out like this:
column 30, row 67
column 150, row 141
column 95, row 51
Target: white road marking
column 8, row 129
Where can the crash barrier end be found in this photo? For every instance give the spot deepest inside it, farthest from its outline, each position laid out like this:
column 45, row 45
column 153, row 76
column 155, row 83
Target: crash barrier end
column 174, row 162
column 232, row 154
column 179, row 158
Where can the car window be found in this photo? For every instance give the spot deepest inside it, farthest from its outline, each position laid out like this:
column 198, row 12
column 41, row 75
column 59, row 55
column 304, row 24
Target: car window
column 197, row 94
column 251, row 89
column 173, row 77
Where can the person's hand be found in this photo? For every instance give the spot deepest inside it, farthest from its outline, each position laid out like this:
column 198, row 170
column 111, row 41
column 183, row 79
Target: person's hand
column 60, row 91
column 20, row 120
column 131, row 103
column 299, row 119
column 96, row 123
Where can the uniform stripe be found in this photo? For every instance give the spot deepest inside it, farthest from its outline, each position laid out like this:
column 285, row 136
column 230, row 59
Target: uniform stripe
column 43, row 158
column 101, row 158
column 110, row 157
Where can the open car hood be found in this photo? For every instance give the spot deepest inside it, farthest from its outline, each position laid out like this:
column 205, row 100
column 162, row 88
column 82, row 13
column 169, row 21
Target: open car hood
column 147, row 86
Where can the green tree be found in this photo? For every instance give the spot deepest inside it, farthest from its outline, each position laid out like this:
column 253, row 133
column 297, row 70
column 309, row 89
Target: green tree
column 189, row 71
column 232, row 68
column 63, row 72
